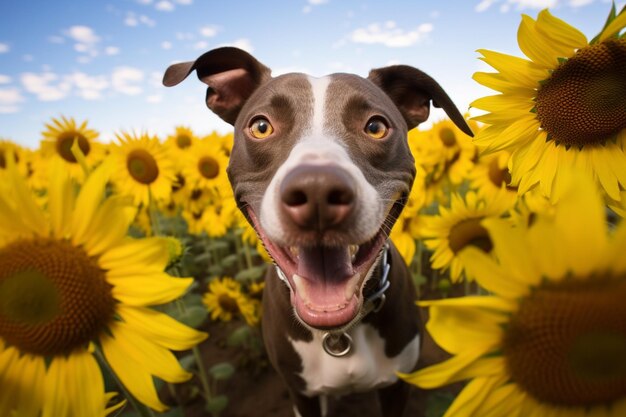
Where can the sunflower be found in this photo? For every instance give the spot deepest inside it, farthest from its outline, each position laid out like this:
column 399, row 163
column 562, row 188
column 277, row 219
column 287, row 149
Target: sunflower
column 551, row 340
column 205, row 165
column 563, row 107
column 71, row 282
column 143, row 169
column 182, row 139
column 58, row 139
column 491, row 176
column 224, row 300
column 223, row 142
column 458, row 227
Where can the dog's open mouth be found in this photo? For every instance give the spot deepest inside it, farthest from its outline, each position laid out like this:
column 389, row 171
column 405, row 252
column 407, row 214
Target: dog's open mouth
column 327, row 282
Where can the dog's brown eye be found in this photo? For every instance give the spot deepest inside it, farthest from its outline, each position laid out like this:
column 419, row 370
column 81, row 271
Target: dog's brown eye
column 261, row 128
column 376, row 128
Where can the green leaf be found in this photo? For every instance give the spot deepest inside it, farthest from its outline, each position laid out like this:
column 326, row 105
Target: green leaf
column 230, row 260
column 251, row 274
column 216, row 405
column 193, row 316
column 216, row 270
column 612, row 15
column 215, row 244
column 419, row 280
column 437, row 403
column 222, row 371
column 188, row 362
column 239, row 336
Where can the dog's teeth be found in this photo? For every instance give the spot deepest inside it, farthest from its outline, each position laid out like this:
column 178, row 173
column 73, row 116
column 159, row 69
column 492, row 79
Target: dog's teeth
column 353, row 250
column 351, row 287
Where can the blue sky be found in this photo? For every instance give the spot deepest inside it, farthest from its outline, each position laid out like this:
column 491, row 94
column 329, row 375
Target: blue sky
column 103, row 60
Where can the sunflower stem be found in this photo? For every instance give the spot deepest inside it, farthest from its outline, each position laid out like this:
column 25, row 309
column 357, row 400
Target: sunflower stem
column 238, row 238
column 247, row 254
column 198, row 357
column 152, row 214
column 140, row 408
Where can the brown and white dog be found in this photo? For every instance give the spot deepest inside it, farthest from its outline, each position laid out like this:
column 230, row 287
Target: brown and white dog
column 321, row 168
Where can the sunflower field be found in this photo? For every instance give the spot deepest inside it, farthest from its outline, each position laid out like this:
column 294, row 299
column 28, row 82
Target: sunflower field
column 123, row 263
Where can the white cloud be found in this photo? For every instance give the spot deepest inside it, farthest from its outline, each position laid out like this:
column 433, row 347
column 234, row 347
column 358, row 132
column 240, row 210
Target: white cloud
column 147, row 21
column 166, row 45
column 10, row 98
column 4, row 47
column 133, row 20
column 533, row 4
column 83, row 34
column 184, row 2
column 5, row 79
column 88, row 87
column 111, row 50
column 209, row 31
column 484, row 5
column 185, row 36
column 579, row 3
column 390, row 35
column 46, row 86
column 164, row 6
column 200, row 45
column 125, row 80
column 311, row 3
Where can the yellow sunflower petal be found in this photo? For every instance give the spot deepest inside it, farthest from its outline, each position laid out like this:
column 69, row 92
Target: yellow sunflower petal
column 509, row 246
column 21, row 382
column 561, row 32
column 88, row 201
column 614, row 27
column 503, row 401
column 458, row 368
column 583, row 238
column 56, row 401
column 515, row 68
column 109, row 226
column 456, row 328
column 87, row 399
column 152, row 358
column 146, row 290
column 473, row 396
column 160, row 328
column 490, row 275
column 134, row 377
column 136, row 256
column 60, row 202
column 535, row 46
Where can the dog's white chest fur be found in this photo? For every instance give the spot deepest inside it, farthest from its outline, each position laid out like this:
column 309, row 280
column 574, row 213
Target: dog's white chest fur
column 365, row 368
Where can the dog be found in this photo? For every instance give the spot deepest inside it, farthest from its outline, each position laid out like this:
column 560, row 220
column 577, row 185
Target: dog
column 321, row 168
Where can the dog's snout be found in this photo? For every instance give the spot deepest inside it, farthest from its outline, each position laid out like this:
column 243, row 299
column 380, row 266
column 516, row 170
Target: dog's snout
column 317, row 196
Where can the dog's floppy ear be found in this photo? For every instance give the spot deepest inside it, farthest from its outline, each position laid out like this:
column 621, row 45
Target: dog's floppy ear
column 231, row 74
column 412, row 90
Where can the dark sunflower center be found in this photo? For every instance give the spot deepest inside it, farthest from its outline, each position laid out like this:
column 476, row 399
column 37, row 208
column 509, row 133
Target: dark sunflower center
column 178, row 184
column 209, row 168
column 498, row 176
column 469, row 232
column 447, row 137
column 64, row 145
column 583, row 103
column 228, row 303
column 567, row 343
column 142, row 166
column 183, row 141
column 53, row 297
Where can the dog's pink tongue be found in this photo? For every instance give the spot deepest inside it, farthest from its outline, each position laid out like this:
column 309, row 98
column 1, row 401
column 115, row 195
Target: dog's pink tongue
column 324, row 291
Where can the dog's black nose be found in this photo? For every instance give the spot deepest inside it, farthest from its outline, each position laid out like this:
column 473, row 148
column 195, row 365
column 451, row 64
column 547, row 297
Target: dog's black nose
column 317, row 197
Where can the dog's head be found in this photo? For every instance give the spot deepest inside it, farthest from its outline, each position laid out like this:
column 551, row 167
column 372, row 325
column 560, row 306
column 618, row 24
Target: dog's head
column 320, row 167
